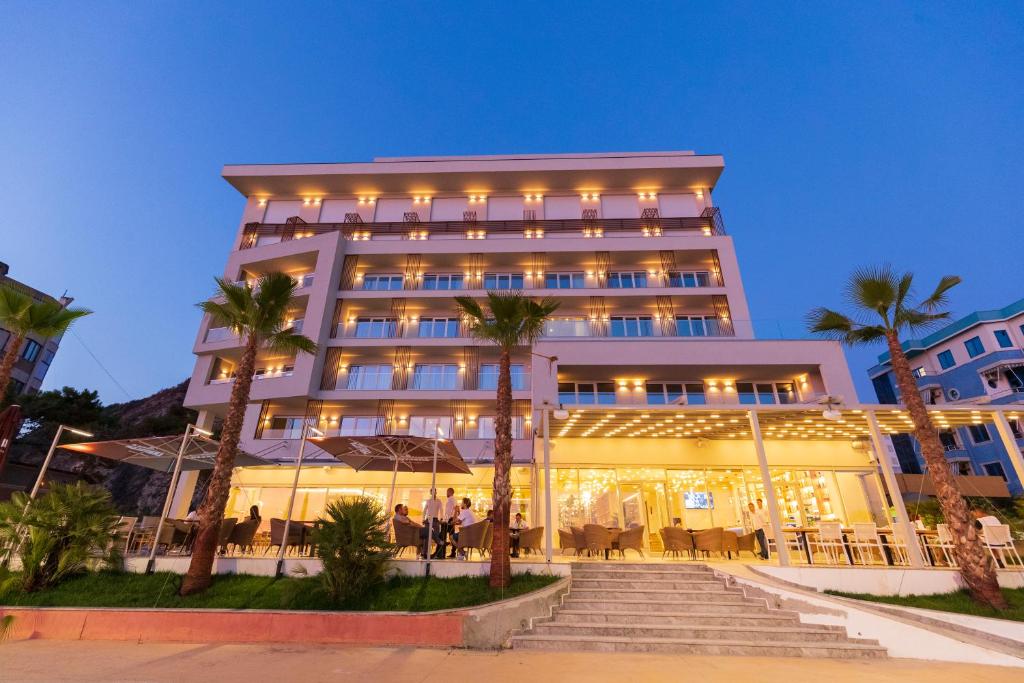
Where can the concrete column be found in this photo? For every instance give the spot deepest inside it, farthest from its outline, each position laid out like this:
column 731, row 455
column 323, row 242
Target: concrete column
column 1010, row 444
column 186, row 488
column 903, row 519
column 548, row 532
column 769, row 490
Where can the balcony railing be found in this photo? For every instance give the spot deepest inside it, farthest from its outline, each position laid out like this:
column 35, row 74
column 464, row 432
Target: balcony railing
column 554, row 329
column 219, row 334
column 675, row 279
column 708, row 223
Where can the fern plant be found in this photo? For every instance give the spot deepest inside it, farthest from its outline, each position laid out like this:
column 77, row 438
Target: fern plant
column 352, row 543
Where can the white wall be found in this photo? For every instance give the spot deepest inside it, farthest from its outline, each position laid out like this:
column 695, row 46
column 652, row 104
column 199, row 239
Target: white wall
column 278, row 211
column 678, row 205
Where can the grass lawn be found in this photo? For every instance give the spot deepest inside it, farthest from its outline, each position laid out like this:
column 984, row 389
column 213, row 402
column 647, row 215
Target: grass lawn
column 958, row 602
column 241, row 591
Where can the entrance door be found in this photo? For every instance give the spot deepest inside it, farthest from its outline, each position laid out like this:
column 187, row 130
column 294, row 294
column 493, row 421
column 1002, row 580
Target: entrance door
column 643, row 503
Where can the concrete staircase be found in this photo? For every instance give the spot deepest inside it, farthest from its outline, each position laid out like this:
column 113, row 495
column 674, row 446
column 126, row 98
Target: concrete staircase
column 682, row 609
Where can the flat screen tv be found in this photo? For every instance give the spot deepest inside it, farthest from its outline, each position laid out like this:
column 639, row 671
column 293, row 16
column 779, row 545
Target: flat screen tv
column 699, row 500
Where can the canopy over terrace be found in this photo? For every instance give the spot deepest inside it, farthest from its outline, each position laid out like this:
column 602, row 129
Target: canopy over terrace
column 802, row 437
column 161, row 452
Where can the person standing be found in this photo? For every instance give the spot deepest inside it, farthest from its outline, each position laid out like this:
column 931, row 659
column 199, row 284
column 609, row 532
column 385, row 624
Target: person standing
column 759, row 521
column 432, row 511
column 448, row 524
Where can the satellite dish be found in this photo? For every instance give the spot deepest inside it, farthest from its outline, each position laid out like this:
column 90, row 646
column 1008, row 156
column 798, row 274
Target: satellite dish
column 561, row 414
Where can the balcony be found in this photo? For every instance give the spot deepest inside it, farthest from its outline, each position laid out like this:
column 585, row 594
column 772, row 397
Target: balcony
column 709, row 223
column 561, row 281
column 219, row 334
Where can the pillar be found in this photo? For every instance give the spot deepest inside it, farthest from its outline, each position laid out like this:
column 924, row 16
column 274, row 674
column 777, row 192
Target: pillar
column 548, row 532
column 769, row 491
column 1010, row 444
column 903, row 519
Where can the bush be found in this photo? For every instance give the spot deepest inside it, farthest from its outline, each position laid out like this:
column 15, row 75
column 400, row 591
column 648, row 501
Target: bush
column 56, row 535
column 352, row 542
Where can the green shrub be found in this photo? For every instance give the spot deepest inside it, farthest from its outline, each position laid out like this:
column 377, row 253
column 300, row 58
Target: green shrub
column 55, row 536
column 352, row 542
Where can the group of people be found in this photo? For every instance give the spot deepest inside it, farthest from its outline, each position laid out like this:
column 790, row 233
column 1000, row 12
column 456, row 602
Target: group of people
column 447, row 520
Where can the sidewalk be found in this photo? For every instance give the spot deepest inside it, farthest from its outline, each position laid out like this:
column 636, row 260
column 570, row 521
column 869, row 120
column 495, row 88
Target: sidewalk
column 110, row 661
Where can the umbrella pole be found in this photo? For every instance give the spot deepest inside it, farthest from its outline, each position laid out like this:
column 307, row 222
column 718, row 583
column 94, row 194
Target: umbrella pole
column 433, row 494
column 151, row 563
column 391, row 495
column 291, row 501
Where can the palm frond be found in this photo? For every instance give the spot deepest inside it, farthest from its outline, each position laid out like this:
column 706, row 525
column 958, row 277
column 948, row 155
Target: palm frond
column 288, row 341
column 904, row 289
column 873, row 288
column 917, row 320
column 940, row 297
column 22, row 315
column 865, row 334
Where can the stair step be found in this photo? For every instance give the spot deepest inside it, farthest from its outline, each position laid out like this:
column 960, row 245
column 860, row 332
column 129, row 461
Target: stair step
column 640, row 574
column 618, row 594
column 704, row 606
column 755, row 634
column 772, row 618
column 602, row 565
column 697, row 646
column 685, row 585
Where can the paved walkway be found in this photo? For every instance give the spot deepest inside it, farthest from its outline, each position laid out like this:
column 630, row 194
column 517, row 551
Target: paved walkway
column 123, row 662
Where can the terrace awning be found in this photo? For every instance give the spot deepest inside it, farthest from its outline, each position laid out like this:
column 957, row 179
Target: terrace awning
column 387, row 453
column 159, row 452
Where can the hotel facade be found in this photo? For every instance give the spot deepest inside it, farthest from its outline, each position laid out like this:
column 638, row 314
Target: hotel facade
column 647, row 401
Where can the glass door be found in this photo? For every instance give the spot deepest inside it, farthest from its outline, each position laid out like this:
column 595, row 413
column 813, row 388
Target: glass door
column 644, row 504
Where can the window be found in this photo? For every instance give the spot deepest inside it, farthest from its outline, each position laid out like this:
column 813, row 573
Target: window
column 442, row 281
column 291, row 426
column 358, row 426
column 668, row 393
column 1003, row 339
column 489, row 377
column 765, row 393
column 949, row 440
column 697, row 326
column 995, row 469
column 920, row 372
column 431, row 427
column 503, row 280
column 274, row 371
column 563, row 280
column 435, row 376
column 946, row 359
column 700, row 278
column 974, row 347
column 375, row 328
column 439, row 327
column 627, row 279
column 31, row 350
column 586, row 393
column 632, row 326
column 485, row 427
column 369, row 377
column 382, row 282
column 1017, row 428
column 979, row 433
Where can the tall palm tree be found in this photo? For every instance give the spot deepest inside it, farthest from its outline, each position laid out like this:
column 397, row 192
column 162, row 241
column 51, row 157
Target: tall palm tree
column 884, row 303
column 257, row 314
column 21, row 315
column 510, row 321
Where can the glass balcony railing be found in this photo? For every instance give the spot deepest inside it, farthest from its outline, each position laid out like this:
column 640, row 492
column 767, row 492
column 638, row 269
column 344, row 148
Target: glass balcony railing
column 219, row 334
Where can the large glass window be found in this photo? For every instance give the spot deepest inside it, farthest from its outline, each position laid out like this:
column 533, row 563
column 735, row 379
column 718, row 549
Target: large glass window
column 974, row 347
column 503, row 280
column 290, row 427
column 563, row 280
column 1003, row 339
column 765, row 393
column 697, row 326
column 369, row 377
column 489, row 376
column 979, row 433
column 439, row 327
column 430, row 427
column 443, row 281
column 949, row 440
column 389, row 281
column 995, row 469
column 485, row 427
column 586, row 393
column 435, row 376
column 31, row 350
column 632, row 326
column 946, row 359
column 375, row 328
column 630, row 279
column 700, row 278
column 358, row 426
column 678, row 393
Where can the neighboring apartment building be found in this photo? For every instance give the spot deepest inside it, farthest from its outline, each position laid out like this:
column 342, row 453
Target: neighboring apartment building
column 977, row 359
column 36, row 352
column 653, row 314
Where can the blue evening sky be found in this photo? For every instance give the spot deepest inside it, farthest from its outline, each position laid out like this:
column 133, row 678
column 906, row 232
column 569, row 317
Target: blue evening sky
column 853, row 133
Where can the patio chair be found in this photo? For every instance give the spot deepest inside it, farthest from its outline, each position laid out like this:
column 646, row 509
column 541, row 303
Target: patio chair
column 677, row 540
column 485, row 545
column 242, row 535
column 142, row 536
column 715, row 539
column 943, row 542
column 597, row 538
column 406, row 536
column 567, row 541
column 632, row 539
column 277, row 534
column 579, row 538
column 829, row 540
column 472, row 538
column 746, row 542
column 866, row 542
column 226, row 527
column 123, row 535
column 999, row 541
column 532, row 540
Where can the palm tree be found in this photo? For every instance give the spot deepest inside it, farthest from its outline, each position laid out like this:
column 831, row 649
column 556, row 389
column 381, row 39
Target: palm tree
column 21, row 315
column 257, row 314
column 510, row 321
column 885, row 308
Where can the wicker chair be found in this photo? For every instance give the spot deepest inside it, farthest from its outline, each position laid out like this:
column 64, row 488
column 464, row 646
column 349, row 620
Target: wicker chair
column 677, row 540
column 277, row 534
column 567, row 541
column 632, row 539
column 242, row 535
column 407, row 536
column 746, row 542
column 226, row 527
column 579, row 539
column 715, row 540
column 598, row 538
column 532, row 540
column 472, row 537
column 485, row 545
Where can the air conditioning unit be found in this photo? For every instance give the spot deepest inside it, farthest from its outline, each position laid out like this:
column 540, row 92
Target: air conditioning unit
column 953, row 393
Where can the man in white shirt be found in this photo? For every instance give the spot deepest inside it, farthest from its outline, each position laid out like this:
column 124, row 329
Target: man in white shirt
column 448, row 523
column 431, row 511
column 759, row 521
column 465, row 518
column 517, row 526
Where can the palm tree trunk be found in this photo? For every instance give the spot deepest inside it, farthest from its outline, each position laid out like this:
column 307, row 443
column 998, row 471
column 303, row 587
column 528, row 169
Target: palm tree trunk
column 7, row 364
column 211, row 511
column 501, row 565
column 976, row 566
